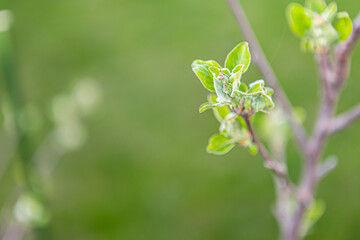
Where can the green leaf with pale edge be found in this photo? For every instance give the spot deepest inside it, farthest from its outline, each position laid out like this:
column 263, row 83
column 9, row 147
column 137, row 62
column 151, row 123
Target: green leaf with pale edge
column 261, row 102
column 343, row 25
column 219, row 112
column 206, row 106
column 238, row 55
column 257, row 88
column 220, row 91
column 219, row 145
column 260, row 81
column 201, row 69
column 238, row 68
column 226, row 71
column 215, row 71
column 235, row 78
column 317, row 6
column 299, row 19
column 238, row 71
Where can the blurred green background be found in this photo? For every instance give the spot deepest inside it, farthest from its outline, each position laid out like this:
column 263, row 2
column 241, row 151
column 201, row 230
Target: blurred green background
column 143, row 173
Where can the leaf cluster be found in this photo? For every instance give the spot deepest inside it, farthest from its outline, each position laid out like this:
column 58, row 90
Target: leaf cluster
column 318, row 25
column 226, row 83
column 233, row 98
column 232, row 131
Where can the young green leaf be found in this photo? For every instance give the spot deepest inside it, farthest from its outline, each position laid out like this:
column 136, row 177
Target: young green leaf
column 238, row 69
column 226, row 71
column 243, row 87
column 202, row 71
column 221, row 90
column 219, row 112
column 219, row 145
column 312, row 215
column 215, row 71
column 299, row 19
column 238, row 55
column 253, row 149
column 257, row 88
column 230, row 128
column 260, row 81
column 329, row 12
column 235, row 78
column 261, row 102
column 206, row 106
column 317, row 6
column 343, row 25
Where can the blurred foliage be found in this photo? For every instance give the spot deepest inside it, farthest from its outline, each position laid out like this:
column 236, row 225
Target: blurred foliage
column 143, row 172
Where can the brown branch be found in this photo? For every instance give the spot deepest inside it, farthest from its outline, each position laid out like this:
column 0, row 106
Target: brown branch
column 324, row 67
column 341, row 69
column 278, row 168
column 344, row 120
column 316, row 145
column 336, row 76
column 268, row 73
column 333, row 75
column 310, row 179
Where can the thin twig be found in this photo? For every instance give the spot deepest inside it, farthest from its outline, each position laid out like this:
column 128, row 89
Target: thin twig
column 336, row 75
column 264, row 66
column 345, row 120
column 278, row 168
column 316, row 144
column 333, row 77
column 342, row 58
column 324, row 66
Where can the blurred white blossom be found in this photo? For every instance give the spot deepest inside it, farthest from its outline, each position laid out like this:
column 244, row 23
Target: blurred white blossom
column 5, row 20
column 69, row 109
column 30, row 211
